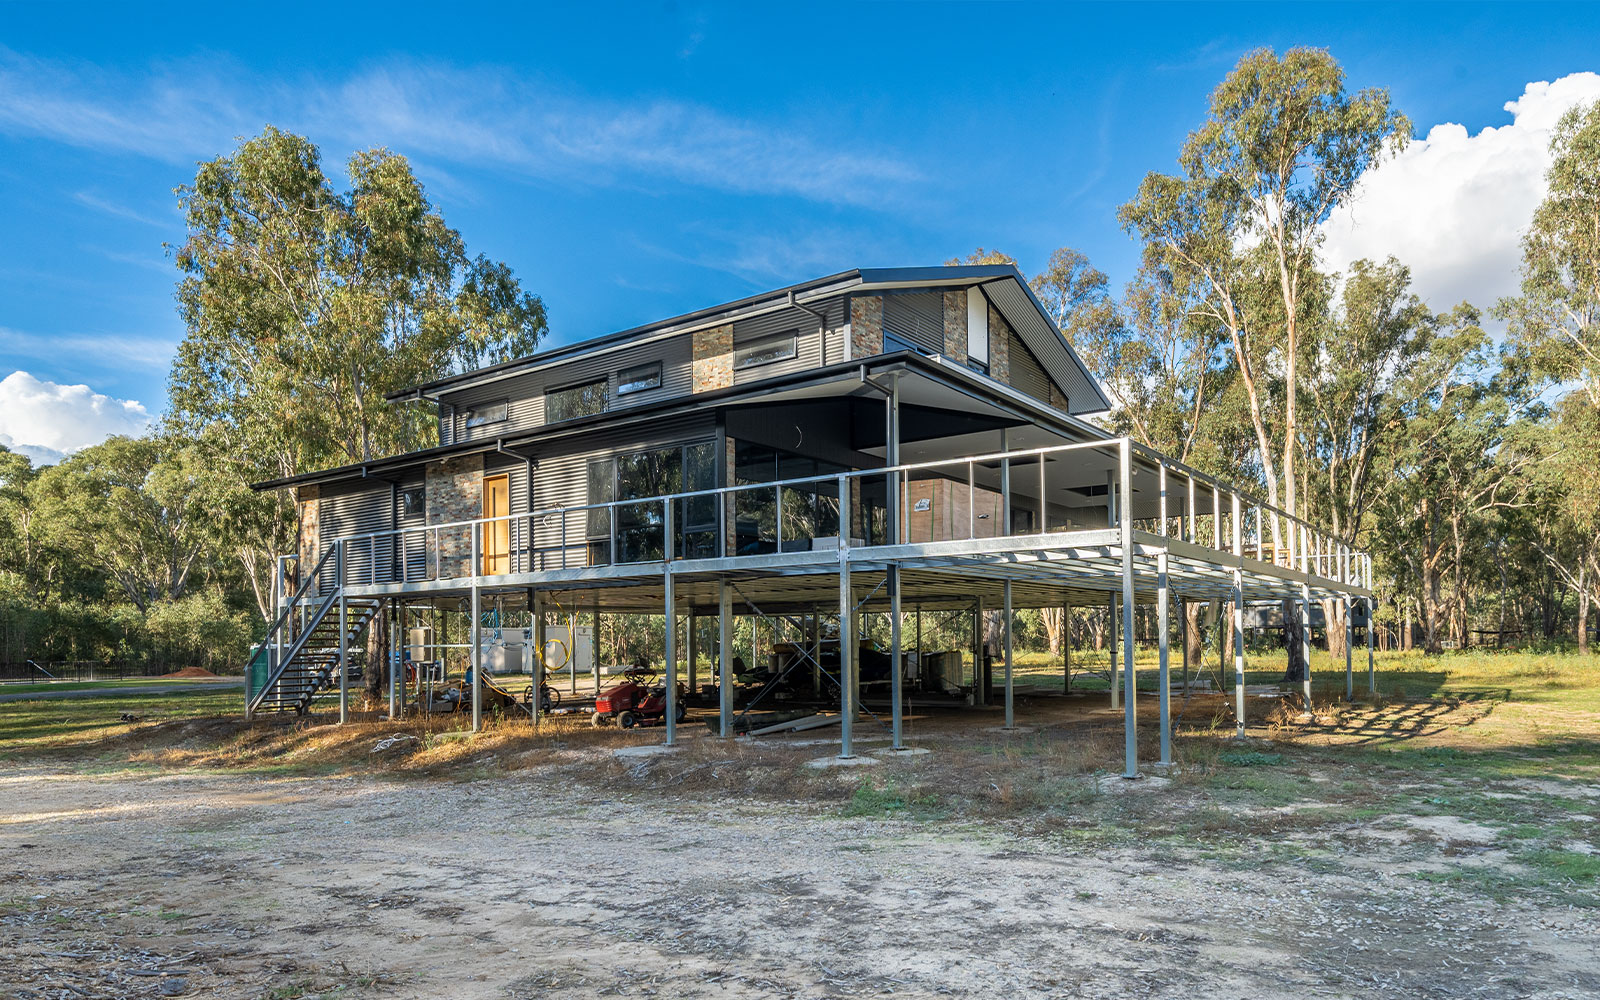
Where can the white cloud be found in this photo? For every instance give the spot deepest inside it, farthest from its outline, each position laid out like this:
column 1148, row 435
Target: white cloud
column 477, row 116
column 1453, row 206
column 45, row 419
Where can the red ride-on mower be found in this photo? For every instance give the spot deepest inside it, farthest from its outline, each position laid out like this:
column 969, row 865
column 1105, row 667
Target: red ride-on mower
column 637, row 701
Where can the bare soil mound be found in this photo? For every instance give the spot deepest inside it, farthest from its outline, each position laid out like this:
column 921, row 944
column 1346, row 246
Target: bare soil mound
column 194, row 672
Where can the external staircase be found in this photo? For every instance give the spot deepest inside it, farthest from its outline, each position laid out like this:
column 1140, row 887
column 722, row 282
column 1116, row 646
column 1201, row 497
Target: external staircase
column 301, row 654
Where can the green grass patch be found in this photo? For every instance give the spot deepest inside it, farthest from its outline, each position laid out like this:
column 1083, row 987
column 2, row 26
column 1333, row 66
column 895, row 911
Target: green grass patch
column 27, row 726
column 1249, row 758
column 1564, row 865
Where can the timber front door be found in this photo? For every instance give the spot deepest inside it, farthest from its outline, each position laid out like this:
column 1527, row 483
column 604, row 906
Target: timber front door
column 496, row 534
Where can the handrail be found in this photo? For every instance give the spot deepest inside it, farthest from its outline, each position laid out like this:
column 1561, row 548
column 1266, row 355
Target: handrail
column 305, row 586
column 728, row 490
column 1310, row 548
column 287, row 657
column 1254, row 500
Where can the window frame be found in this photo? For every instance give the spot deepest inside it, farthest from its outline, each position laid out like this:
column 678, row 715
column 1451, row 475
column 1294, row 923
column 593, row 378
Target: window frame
column 605, row 399
column 402, row 502
column 471, row 418
column 624, row 388
column 741, row 360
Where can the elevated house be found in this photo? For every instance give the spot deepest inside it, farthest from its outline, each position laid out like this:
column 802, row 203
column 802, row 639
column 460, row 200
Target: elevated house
column 859, row 443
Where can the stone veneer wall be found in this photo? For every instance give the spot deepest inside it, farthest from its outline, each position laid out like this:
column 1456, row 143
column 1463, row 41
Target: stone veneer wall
column 955, row 326
column 866, row 325
column 999, row 347
column 1057, row 398
column 713, row 358
column 310, row 539
column 454, row 493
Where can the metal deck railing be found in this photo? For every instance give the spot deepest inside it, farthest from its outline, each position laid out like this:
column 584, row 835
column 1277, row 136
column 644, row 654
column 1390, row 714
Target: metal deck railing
column 838, row 511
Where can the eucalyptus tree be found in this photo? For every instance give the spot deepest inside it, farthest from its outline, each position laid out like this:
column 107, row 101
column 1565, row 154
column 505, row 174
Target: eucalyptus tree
column 1373, row 356
column 1554, row 326
column 1282, row 147
column 128, row 509
column 304, row 305
column 1448, row 471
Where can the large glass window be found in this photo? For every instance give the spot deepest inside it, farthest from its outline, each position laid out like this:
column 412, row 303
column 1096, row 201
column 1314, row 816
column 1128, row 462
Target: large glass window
column 640, row 527
column 809, row 510
column 575, row 401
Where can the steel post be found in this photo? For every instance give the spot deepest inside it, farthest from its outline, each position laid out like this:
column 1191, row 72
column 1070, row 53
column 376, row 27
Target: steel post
column 670, row 609
column 896, row 661
column 1162, row 614
column 724, row 659
column 1111, row 645
column 847, row 708
column 344, row 658
column 396, row 661
column 1372, row 673
column 1130, row 719
column 1349, row 640
column 539, row 641
column 1005, row 633
column 980, row 694
column 477, row 657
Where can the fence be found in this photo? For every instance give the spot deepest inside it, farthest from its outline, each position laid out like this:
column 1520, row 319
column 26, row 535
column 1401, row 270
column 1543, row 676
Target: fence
column 82, row 670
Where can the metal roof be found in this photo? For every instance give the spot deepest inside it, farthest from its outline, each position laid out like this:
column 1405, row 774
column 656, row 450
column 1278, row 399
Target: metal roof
column 980, row 386
column 1003, row 283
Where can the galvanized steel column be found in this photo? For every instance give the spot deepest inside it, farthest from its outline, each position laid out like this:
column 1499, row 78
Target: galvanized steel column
column 669, row 602
column 1005, row 627
column 477, row 658
column 396, row 660
column 847, row 708
column 1162, row 623
column 1130, row 730
column 344, row 656
column 1349, row 640
column 724, row 659
column 896, row 659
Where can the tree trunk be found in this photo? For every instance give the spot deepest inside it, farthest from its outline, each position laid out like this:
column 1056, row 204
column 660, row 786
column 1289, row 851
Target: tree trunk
column 1053, row 619
column 1333, row 615
column 1294, row 640
column 1193, row 642
column 1583, row 610
column 377, row 669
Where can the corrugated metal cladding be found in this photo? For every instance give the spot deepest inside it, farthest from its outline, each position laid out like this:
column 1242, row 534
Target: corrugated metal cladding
column 562, row 479
column 525, row 393
column 1036, row 332
column 356, row 508
column 809, row 347
column 916, row 318
column 1027, row 375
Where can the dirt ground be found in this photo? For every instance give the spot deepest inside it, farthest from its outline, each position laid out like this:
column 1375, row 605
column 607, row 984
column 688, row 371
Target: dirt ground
column 559, row 869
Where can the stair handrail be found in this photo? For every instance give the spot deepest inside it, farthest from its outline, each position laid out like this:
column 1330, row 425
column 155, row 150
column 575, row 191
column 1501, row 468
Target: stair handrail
column 305, row 586
column 282, row 661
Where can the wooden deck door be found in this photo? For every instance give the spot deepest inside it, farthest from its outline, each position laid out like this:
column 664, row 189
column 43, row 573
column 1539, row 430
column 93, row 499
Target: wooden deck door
column 496, row 550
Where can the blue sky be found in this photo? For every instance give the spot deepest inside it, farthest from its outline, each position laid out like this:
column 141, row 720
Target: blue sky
column 631, row 162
